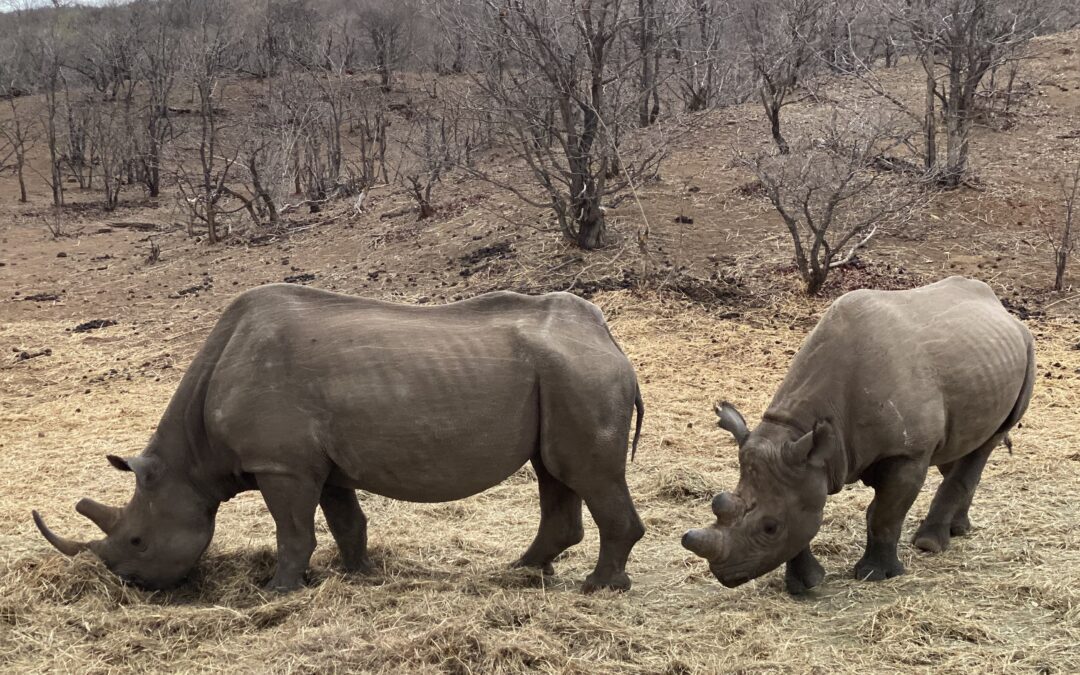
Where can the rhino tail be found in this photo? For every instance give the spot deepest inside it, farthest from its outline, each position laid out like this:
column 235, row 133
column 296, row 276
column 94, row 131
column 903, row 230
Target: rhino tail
column 639, row 406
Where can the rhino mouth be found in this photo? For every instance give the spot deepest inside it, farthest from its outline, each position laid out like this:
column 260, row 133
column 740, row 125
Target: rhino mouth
column 729, row 580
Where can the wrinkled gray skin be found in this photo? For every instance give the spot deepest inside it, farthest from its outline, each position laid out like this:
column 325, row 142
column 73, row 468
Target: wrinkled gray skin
column 887, row 385
column 308, row 396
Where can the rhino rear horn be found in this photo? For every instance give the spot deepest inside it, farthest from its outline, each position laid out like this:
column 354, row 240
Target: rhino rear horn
column 105, row 517
column 732, row 422
column 65, row 546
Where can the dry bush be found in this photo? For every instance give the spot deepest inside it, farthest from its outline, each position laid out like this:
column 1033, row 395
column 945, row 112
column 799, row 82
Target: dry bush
column 830, row 192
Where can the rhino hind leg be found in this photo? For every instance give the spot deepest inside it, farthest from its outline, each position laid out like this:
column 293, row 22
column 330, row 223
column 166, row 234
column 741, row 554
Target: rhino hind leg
column 620, row 528
column 896, row 482
column 292, row 501
column 948, row 514
column 560, row 521
column 348, row 524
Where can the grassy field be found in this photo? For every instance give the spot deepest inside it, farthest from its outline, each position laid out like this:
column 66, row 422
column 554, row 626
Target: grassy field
column 1006, row 598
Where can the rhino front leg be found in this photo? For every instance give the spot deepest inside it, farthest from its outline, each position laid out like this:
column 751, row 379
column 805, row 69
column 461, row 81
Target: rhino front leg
column 948, row 512
column 292, row 501
column 348, row 524
column 896, row 482
column 803, row 572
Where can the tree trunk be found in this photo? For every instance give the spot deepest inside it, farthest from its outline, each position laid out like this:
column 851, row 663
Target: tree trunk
column 647, row 45
column 929, row 120
column 1061, row 258
column 774, row 122
column 591, row 226
column 22, row 181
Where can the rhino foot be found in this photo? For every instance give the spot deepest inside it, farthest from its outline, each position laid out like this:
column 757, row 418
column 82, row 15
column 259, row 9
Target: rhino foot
column 803, row 574
column 278, row 586
column 362, row 565
column 547, row 569
column 615, row 582
column 932, row 537
column 871, row 569
column 961, row 525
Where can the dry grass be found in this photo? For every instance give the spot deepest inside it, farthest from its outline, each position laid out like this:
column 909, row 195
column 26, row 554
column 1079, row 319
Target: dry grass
column 1006, row 598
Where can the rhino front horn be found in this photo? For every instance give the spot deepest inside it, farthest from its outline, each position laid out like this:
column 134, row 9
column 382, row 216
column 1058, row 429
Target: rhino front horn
column 65, row 546
column 103, row 516
column 704, row 542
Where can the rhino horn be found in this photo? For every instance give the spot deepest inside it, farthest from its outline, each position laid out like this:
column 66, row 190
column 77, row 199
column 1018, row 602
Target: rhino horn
column 732, row 421
column 706, row 542
column 105, row 517
column 65, row 546
column 727, row 508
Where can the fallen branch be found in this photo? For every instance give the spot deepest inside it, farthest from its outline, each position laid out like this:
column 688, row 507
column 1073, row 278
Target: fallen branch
column 854, row 249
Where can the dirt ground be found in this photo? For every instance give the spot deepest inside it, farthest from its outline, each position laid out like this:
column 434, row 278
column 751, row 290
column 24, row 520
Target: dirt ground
column 710, row 311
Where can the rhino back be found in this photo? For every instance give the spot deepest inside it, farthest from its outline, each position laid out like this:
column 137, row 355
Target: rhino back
column 418, row 403
column 935, row 370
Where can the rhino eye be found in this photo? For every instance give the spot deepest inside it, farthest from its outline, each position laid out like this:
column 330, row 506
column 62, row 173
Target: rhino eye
column 136, row 541
column 770, row 526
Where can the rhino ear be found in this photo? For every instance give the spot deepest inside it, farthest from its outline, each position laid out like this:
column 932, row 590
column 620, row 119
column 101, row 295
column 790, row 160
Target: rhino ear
column 140, row 466
column 118, row 462
column 821, row 448
column 732, row 422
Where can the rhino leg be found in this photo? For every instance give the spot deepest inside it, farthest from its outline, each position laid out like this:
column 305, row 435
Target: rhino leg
column 948, row 514
column 292, row 501
column 348, row 524
column 896, row 482
column 803, row 572
column 620, row 528
column 560, row 521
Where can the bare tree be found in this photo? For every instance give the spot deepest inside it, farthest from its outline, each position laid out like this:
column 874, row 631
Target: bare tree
column 202, row 188
column 111, row 140
column 387, row 24
column 829, row 194
column 961, row 41
column 555, row 97
column 20, row 133
column 780, row 41
column 703, row 65
column 157, row 65
column 1061, row 236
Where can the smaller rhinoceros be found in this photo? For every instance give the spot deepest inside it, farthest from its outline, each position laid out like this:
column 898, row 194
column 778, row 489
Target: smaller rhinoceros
column 887, row 385
column 307, row 396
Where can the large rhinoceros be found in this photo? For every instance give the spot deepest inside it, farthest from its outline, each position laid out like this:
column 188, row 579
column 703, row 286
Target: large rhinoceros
column 308, row 395
column 888, row 384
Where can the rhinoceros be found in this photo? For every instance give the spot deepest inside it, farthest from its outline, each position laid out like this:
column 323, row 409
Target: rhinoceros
column 887, row 385
column 308, row 395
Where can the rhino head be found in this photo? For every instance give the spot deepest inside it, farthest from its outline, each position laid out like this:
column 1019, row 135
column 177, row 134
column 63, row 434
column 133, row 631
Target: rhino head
column 154, row 541
column 776, row 509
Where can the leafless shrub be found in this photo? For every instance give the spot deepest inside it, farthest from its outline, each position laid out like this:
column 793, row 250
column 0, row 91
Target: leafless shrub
column 829, row 194
column 780, row 38
column 54, row 222
column 1059, row 232
column 202, row 187
column 20, row 133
